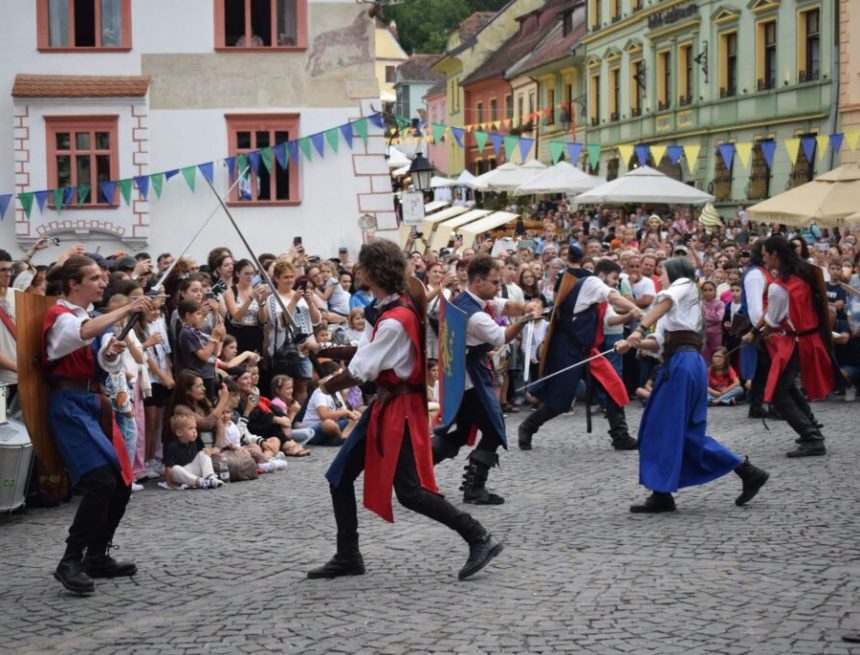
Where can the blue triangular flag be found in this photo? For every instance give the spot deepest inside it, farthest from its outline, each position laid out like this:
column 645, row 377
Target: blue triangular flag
column 675, row 153
column 171, row 173
column 768, row 148
column 727, row 152
column 642, row 151
column 231, row 166
column 496, row 139
column 254, row 161
column 69, row 194
column 376, row 119
column 5, row 199
column 293, row 147
column 808, row 145
column 836, row 141
column 206, row 170
column 108, row 190
column 41, row 199
column 525, row 147
column 280, row 151
column 573, row 152
column 319, row 142
column 458, row 135
column 346, row 130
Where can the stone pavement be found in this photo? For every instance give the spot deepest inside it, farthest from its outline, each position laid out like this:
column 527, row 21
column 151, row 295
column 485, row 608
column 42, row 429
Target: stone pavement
column 223, row 571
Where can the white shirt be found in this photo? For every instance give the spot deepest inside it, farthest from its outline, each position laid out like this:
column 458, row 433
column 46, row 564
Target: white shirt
column 515, row 293
column 593, row 290
column 390, row 348
column 64, row 337
column 321, row 399
column 644, row 287
column 754, row 286
column 777, row 306
column 159, row 351
column 482, row 328
column 686, row 310
column 7, row 341
column 611, row 329
column 232, row 435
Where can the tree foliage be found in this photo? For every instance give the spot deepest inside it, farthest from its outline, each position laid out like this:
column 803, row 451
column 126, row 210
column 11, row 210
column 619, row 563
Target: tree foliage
column 423, row 25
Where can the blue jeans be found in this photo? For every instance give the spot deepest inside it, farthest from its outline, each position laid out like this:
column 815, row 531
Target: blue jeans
column 615, row 358
column 852, row 374
column 726, row 398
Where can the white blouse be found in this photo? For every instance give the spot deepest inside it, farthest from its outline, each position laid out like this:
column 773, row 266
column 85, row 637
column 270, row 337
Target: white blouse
column 686, row 310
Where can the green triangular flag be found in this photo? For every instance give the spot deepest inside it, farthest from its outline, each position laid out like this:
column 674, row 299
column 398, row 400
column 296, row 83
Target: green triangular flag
column 481, row 139
column 157, row 182
column 26, row 202
column 594, row 154
column 190, row 175
column 83, row 192
column 268, row 158
column 555, row 149
column 305, row 145
column 360, row 127
column 125, row 190
column 332, row 137
column 438, row 132
column 241, row 164
column 511, row 143
column 58, row 199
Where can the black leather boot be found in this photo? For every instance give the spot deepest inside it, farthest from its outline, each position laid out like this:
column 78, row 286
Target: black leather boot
column 809, row 447
column 99, row 564
column 474, row 487
column 70, row 573
column 657, row 502
column 532, row 423
column 618, row 431
column 481, row 552
column 347, row 561
column 753, row 479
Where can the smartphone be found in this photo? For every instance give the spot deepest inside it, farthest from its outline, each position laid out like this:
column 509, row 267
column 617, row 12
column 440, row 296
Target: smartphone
column 297, row 241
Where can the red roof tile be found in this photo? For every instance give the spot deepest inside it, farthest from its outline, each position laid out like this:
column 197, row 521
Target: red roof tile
column 79, row 86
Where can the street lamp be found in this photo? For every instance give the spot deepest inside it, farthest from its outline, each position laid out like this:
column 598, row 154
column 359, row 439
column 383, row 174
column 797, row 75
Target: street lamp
column 421, row 172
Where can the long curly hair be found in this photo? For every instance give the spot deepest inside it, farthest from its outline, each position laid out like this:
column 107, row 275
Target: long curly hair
column 383, row 263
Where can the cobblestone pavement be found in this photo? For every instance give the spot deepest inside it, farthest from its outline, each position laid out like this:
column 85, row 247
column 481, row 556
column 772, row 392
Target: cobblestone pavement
column 224, row 571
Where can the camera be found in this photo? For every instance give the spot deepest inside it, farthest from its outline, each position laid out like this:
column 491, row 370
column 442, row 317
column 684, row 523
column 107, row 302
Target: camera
column 209, row 296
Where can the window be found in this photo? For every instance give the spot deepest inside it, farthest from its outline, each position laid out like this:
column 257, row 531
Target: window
column 532, row 104
column 804, row 169
column 728, row 64
column 494, row 110
column 479, row 112
column 84, row 24
column 390, row 74
column 253, row 24
column 612, row 169
column 550, row 106
column 509, row 107
column 758, row 187
column 809, row 46
column 596, row 11
column 521, row 108
column 637, row 83
column 636, row 5
column 594, row 100
column 615, row 10
column 722, row 178
column 685, row 74
column 664, row 79
column 82, row 150
column 248, row 132
column 567, row 24
column 765, row 57
column 614, row 92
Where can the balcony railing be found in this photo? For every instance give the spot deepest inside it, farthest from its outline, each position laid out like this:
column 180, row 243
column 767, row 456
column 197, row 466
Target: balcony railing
column 636, row 111
column 803, row 76
column 662, row 105
column 683, row 101
column 764, row 85
column 613, row 116
column 595, row 121
column 727, row 92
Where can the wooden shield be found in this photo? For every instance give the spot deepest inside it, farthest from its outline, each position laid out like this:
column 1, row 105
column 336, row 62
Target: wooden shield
column 34, row 392
column 568, row 281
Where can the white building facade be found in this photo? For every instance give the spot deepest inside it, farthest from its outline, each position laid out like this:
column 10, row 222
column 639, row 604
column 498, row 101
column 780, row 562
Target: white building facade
column 108, row 90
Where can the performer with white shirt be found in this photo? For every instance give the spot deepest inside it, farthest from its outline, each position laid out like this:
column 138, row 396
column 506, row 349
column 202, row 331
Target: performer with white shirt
column 480, row 409
column 391, row 442
column 796, row 326
column 674, row 450
column 754, row 358
column 575, row 334
column 82, row 423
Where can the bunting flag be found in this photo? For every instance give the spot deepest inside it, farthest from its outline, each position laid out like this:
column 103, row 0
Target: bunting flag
column 108, row 190
column 675, row 153
column 207, row 170
column 83, row 193
column 142, row 182
column 41, row 199
column 808, row 145
column 768, row 148
column 230, row 163
column 744, row 151
column 691, row 154
column 360, row 128
column 525, row 148
column 190, row 175
column 281, row 156
column 305, row 146
column 822, row 141
column 851, row 138
column 594, row 154
column 793, row 148
column 157, row 182
column 318, row 140
column 642, row 154
column 625, row 154
column 171, row 173
column 556, row 149
column 332, row 139
column 496, row 139
column 254, row 161
column 5, row 199
column 347, row 132
column 438, row 132
column 511, row 145
column 836, row 141
column 658, row 152
column 293, row 149
column 727, row 152
column 458, row 132
column 573, row 152
column 481, row 139
column 125, row 190
column 26, row 200
column 376, row 119
column 69, row 194
column 267, row 156
column 58, row 195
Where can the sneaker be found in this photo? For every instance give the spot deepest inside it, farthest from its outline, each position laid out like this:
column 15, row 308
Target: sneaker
column 281, row 456
column 212, row 482
column 153, row 470
column 851, row 394
column 136, row 487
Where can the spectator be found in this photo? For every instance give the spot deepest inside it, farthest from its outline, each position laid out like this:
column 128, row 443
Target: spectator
column 243, row 301
column 724, row 386
column 186, row 460
column 196, row 352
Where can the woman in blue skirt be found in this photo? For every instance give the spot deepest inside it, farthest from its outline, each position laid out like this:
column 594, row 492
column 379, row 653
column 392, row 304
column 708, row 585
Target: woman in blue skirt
column 674, row 450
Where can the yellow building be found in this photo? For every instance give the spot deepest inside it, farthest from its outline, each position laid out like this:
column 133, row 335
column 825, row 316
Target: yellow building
column 849, row 72
column 389, row 55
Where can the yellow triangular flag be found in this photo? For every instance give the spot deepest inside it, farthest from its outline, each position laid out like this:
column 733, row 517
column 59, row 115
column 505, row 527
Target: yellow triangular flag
column 657, row 152
column 793, row 147
column 691, row 154
column 743, row 151
column 822, row 140
column 851, row 138
column 625, row 152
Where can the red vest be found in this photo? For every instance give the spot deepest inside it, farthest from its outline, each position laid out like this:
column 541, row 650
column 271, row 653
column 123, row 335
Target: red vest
column 78, row 365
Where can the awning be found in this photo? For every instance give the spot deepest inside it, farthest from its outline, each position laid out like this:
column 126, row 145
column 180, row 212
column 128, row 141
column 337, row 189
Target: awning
column 444, row 230
column 445, row 214
column 434, row 206
column 491, row 222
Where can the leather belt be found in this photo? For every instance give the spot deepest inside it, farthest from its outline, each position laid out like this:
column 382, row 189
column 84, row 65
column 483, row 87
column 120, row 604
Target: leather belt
column 804, row 333
column 70, row 384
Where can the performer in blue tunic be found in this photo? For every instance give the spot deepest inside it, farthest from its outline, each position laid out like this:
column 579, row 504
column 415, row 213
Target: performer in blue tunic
column 480, row 408
column 674, row 450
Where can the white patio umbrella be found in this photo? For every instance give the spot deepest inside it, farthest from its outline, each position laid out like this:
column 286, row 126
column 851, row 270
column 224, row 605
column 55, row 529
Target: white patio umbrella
column 561, row 178
column 508, row 179
column 481, row 182
column 437, row 182
column 465, row 179
column 396, row 159
column 644, row 185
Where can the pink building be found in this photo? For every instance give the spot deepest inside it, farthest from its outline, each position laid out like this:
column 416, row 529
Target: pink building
column 437, row 153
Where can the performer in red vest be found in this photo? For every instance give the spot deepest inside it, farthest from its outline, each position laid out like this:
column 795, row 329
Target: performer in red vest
column 391, row 442
column 82, row 423
column 797, row 331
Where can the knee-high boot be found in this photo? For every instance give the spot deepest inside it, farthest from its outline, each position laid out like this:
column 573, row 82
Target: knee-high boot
column 474, row 487
column 618, row 431
column 532, row 424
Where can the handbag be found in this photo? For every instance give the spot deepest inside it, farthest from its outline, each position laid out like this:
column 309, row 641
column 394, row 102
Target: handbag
column 286, row 359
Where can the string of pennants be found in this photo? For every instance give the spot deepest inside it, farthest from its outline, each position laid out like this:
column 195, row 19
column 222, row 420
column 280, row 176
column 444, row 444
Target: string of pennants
column 280, row 153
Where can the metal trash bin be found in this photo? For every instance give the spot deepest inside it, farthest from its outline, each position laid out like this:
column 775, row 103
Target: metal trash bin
column 16, row 459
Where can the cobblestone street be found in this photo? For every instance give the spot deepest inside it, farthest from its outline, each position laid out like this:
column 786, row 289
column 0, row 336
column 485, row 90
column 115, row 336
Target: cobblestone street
column 224, row 571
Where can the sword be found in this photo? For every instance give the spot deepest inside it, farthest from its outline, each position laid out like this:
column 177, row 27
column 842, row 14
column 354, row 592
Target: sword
column 528, row 338
column 566, row 369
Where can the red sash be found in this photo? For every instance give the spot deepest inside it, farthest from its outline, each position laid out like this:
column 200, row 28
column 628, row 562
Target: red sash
column 602, row 369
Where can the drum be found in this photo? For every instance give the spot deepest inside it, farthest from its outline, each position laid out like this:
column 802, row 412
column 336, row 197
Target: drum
column 16, row 458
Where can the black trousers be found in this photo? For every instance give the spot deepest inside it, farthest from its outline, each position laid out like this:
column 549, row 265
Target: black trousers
column 759, row 381
column 105, row 496
column 409, row 492
column 789, row 401
column 471, row 413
